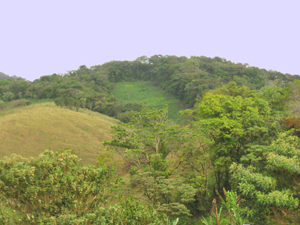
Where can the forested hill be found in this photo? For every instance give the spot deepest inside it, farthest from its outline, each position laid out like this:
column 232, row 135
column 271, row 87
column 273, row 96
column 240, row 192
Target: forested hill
column 186, row 78
column 189, row 77
column 234, row 159
column 4, row 76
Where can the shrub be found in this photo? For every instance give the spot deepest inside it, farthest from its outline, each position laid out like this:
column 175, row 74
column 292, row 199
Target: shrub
column 2, row 106
column 52, row 185
column 19, row 103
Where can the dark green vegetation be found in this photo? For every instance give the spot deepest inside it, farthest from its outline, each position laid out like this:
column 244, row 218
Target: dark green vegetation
column 234, row 159
column 182, row 77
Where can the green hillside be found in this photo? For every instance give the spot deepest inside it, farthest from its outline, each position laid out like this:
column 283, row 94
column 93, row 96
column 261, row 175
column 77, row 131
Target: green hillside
column 143, row 92
column 29, row 130
column 238, row 150
column 184, row 78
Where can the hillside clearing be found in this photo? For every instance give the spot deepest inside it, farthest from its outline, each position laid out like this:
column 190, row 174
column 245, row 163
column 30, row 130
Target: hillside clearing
column 152, row 96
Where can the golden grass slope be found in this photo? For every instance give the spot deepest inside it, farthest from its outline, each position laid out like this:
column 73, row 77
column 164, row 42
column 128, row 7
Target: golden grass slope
column 30, row 130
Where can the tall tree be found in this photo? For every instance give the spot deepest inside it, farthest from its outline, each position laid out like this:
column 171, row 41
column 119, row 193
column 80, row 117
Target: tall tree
column 272, row 192
column 231, row 122
column 147, row 141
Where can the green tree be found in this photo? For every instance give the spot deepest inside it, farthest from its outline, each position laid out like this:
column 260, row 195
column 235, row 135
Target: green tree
column 8, row 96
column 127, row 212
column 276, row 96
column 147, row 141
column 272, row 192
column 147, row 134
column 294, row 98
column 231, row 123
column 52, row 185
column 234, row 212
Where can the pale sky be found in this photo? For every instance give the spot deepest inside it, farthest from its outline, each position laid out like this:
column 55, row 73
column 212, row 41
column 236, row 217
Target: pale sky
column 42, row 37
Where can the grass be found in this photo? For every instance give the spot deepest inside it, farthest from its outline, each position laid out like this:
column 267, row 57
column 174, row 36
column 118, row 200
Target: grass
column 152, row 96
column 29, row 130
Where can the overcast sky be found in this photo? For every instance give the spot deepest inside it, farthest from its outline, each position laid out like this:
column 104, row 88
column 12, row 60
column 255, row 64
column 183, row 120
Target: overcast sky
column 49, row 36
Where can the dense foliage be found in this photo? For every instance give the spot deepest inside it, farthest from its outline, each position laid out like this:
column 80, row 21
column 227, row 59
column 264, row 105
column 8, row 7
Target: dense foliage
column 186, row 78
column 147, row 141
column 55, row 188
column 234, row 160
column 237, row 139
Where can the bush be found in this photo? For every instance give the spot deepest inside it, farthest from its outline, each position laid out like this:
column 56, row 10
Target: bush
column 59, row 101
column 134, row 107
column 19, row 103
column 55, row 188
column 2, row 106
column 125, row 117
column 128, row 212
column 52, row 185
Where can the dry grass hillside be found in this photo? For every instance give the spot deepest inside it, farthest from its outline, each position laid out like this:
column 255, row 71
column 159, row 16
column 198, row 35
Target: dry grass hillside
column 30, row 130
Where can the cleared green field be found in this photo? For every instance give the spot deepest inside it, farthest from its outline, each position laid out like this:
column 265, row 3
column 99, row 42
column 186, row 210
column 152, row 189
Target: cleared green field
column 152, row 96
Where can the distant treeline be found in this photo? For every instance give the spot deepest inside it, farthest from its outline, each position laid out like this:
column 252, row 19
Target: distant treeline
column 188, row 77
column 4, row 76
column 92, row 88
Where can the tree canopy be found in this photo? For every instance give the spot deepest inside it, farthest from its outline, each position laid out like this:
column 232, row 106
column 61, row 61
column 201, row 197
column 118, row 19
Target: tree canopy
column 232, row 160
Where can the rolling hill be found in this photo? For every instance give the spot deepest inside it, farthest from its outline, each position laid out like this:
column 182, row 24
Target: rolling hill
column 30, row 130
